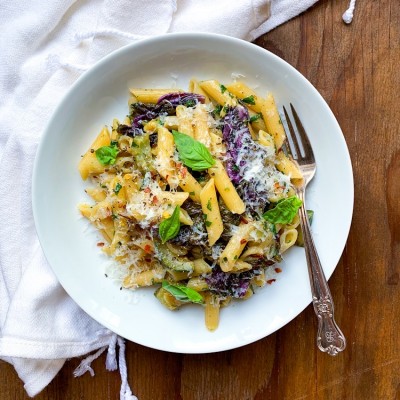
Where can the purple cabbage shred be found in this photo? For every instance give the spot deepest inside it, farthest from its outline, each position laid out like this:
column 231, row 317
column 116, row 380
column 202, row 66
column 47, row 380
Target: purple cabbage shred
column 185, row 99
column 229, row 284
column 166, row 105
column 241, row 151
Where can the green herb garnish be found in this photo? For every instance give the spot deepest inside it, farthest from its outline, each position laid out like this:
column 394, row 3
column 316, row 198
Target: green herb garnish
column 183, row 293
column 284, row 211
column 255, row 118
column 107, row 155
column 217, row 109
column 209, row 205
column 249, row 100
column 223, row 89
column 118, row 187
column 208, row 223
column 192, row 153
column 190, row 103
column 170, row 227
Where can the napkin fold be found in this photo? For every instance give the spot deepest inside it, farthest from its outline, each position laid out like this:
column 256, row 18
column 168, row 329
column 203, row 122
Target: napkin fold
column 45, row 46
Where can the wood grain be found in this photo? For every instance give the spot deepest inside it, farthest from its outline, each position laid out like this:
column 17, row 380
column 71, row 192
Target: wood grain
column 356, row 69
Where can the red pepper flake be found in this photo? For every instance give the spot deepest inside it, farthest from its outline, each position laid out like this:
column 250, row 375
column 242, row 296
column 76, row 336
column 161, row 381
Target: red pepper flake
column 243, row 241
column 147, row 190
column 278, row 270
column 100, row 244
column 184, row 172
column 270, row 281
column 147, row 260
column 147, row 248
column 155, row 200
column 178, row 165
column 166, row 177
column 244, row 220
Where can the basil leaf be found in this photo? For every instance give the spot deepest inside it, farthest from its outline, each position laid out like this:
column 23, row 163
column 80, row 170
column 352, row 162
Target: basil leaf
column 183, row 293
column 249, row 100
column 169, row 228
column 107, row 154
column 192, row 153
column 284, row 211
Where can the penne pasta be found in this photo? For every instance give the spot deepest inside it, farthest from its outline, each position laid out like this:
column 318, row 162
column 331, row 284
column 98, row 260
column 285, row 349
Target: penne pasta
column 218, row 92
column 287, row 166
column 243, row 92
column 257, row 121
column 212, row 216
column 201, row 131
column 266, row 140
column 194, row 194
column 211, row 312
column 151, row 95
column 194, row 87
column 184, row 120
column 273, row 121
column 226, row 189
column 189, row 184
column 235, row 246
column 165, row 153
column 287, row 239
column 89, row 163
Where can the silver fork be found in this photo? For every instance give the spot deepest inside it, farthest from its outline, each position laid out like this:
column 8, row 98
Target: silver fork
column 330, row 338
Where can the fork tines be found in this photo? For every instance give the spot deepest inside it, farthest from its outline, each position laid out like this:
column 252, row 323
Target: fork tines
column 299, row 145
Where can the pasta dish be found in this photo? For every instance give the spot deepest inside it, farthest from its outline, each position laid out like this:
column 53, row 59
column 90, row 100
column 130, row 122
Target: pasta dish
column 194, row 193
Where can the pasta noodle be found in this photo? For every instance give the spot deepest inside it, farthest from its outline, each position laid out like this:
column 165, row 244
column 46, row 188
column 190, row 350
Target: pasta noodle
column 273, row 120
column 193, row 193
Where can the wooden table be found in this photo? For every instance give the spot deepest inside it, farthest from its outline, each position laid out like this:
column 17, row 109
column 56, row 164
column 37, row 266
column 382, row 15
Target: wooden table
column 356, row 68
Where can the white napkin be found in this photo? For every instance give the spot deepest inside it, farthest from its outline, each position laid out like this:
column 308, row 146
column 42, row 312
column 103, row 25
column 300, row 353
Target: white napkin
column 43, row 52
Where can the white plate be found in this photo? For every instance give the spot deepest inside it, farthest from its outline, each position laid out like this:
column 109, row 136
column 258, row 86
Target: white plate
column 70, row 245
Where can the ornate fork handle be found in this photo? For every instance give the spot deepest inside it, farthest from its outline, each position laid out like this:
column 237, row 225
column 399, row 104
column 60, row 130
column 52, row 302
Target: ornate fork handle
column 330, row 338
